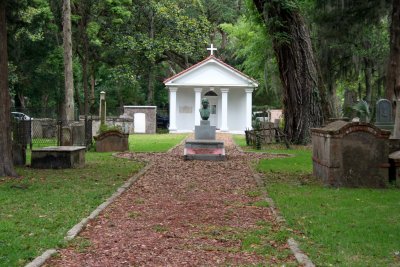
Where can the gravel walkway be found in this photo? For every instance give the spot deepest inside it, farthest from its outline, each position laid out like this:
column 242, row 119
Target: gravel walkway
column 180, row 213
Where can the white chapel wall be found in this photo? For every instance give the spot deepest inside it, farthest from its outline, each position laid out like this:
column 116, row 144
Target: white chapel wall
column 236, row 109
column 185, row 109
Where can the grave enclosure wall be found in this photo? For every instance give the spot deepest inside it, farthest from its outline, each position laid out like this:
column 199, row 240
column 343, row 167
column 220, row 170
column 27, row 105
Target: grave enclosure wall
column 352, row 154
column 126, row 124
column 150, row 116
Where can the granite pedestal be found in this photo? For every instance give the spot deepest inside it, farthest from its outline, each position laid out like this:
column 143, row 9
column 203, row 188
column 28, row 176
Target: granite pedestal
column 205, row 131
column 204, row 147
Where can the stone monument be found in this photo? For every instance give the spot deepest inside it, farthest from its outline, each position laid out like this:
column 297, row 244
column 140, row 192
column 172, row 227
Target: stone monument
column 205, row 131
column 351, row 154
column 204, row 147
column 384, row 114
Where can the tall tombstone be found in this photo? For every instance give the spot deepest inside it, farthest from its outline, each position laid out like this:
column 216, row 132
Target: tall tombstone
column 384, row 114
column 102, row 108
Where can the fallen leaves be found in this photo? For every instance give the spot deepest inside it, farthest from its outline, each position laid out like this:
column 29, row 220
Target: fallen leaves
column 180, row 213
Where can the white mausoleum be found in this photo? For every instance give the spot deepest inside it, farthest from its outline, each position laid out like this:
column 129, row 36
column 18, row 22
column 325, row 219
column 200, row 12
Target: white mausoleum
column 228, row 90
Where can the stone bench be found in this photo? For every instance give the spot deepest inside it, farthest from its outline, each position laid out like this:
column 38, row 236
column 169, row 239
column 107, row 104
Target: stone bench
column 58, row 157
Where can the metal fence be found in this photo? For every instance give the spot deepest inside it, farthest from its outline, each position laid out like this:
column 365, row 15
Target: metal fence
column 41, row 132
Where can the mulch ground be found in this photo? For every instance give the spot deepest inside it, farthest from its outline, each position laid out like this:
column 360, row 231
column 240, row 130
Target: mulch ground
column 179, row 213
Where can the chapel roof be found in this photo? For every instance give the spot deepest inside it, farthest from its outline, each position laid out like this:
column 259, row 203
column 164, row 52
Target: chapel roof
column 203, row 62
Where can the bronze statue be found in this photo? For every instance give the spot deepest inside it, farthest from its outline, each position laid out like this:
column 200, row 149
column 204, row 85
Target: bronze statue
column 204, row 111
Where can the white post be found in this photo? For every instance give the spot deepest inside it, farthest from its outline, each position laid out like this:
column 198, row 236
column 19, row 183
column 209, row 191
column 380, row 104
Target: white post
column 172, row 108
column 197, row 105
column 224, row 123
column 102, row 107
column 249, row 100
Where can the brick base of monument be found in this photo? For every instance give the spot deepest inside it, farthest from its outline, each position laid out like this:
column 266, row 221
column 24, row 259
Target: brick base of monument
column 204, row 150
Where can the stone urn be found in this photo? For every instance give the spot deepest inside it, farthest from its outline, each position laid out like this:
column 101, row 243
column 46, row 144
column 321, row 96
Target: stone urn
column 110, row 141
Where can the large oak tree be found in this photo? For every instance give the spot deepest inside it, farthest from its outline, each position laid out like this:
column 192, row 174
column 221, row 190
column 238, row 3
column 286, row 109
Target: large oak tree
column 303, row 95
column 6, row 163
column 393, row 71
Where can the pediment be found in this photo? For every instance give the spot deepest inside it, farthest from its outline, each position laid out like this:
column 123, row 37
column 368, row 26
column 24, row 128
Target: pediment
column 211, row 72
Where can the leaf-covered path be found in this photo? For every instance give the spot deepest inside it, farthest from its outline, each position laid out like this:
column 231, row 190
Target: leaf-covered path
column 179, row 213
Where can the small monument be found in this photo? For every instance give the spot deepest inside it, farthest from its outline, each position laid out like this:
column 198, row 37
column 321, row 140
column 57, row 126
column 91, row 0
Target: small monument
column 204, row 147
column 351, row 154
column 384, row 117
column 102, row 111
column 205, row 131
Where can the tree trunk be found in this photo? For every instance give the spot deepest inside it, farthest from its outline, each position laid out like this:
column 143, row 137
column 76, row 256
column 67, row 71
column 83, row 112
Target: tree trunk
column 45, row 104
column 303, row 96
column 69, row 108
column 92, row 85
column 84, row 11
column 150, row 83
column 21, row 99
column 368, row 79
column 6, row 161
column 393, row 71
column 78, row 100
column 85, row 75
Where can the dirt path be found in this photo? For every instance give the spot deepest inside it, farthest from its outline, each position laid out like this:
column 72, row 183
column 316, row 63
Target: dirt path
column 180, row 213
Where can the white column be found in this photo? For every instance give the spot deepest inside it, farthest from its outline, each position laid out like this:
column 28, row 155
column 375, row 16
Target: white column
column 172, row 108
column 197, row 104
column 224, row 115
column 249, row 103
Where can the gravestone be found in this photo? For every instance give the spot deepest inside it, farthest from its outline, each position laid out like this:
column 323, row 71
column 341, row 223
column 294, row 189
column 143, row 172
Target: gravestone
column 351, row 154
column 384, row 114
column 66, row 136
column 112, row 141
column 78, row 133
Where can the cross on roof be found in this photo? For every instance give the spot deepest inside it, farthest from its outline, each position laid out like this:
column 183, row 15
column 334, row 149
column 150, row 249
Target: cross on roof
column 212, row 49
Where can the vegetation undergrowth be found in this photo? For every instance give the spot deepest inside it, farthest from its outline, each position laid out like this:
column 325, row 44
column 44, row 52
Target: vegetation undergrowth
column 336, row 226
column 154, row 142
column 37, row 209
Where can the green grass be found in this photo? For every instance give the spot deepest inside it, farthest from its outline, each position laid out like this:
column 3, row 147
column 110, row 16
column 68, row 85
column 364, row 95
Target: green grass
column 42, row 142
column 343, row 227
column 154, row 142
column 336, row 227
column 38, row 209
column 266, row 239
column 300, row 160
